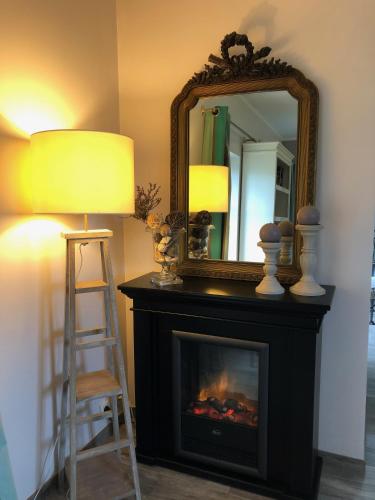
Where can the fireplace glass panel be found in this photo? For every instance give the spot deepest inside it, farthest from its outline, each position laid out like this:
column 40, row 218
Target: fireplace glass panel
column 219, row 385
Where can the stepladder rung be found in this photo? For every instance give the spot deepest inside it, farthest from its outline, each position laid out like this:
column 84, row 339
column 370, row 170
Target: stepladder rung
column 90, row 286
column 101, row 450
column 90, row 344
column 90, row 331
column 96, row 384
column 95, row 417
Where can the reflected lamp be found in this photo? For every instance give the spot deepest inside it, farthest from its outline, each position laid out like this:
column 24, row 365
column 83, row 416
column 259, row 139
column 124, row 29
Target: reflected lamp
column 208, row 188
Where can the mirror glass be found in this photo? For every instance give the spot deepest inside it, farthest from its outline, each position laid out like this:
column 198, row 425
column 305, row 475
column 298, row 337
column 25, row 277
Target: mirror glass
column 242, row 173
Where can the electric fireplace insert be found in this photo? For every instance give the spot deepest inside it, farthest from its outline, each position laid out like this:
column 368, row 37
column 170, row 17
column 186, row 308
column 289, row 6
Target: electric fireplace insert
column 220, row 401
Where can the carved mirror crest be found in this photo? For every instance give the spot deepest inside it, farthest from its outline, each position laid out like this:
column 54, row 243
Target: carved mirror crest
column 242, row 155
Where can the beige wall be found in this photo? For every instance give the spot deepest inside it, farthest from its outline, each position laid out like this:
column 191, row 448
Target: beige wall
column 161, row 44
column 58, row 69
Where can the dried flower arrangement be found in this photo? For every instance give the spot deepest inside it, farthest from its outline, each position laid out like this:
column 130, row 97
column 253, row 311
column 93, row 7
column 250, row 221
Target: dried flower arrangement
column 145, row 201
column 165, row 230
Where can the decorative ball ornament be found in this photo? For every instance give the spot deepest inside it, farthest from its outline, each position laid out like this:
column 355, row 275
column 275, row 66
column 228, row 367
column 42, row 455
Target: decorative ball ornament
column 157, row 237
column 154, row 221
column 165, row 230
column 200, row 232
column 286, row 228
column 270, row 233
column 308, row 216
column 203, row 217
column 194, row 244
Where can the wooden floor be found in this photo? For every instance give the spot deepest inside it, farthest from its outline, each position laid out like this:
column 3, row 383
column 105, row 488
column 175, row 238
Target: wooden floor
column 103, row 478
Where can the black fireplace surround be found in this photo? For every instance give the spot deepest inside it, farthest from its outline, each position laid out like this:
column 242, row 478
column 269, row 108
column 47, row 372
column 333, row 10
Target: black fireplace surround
column 227, row 383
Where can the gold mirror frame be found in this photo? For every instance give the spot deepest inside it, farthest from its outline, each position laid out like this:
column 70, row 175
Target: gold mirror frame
column 246, row 72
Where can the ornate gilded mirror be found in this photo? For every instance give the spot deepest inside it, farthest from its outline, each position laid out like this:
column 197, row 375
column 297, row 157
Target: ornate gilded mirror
column 242, row 155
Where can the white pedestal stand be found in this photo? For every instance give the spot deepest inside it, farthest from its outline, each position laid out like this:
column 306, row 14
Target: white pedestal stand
column 286, row 250
column 307, row 284
column 269, row 284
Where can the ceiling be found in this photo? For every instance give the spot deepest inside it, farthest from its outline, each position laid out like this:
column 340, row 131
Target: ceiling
column 278, row 109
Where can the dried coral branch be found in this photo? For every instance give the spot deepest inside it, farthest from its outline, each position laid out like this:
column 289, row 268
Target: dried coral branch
column 145, row 201
column 176, row 221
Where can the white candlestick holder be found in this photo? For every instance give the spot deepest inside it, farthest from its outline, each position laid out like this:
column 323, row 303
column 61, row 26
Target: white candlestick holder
column 286, row 250
column 307, row 284
column 269, row 284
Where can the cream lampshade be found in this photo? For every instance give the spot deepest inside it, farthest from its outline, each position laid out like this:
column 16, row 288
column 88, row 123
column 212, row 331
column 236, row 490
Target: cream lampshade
column 208, row 188
column 82, row 172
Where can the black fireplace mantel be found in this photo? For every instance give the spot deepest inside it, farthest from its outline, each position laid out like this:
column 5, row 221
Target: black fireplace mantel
column 289, row 325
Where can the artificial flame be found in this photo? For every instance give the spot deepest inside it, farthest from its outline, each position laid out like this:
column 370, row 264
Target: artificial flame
column 222, row 389
column 218, row 402
column 218, row 389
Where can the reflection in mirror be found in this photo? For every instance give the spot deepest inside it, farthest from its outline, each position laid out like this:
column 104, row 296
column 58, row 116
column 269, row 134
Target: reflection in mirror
column 208, row 195
column 253, row 137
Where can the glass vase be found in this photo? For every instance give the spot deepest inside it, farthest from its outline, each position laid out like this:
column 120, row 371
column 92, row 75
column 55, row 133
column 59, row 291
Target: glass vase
column 166, row 253
column 199, row 240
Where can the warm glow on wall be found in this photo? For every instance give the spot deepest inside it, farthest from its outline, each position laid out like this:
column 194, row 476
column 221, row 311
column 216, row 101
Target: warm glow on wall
column 31, row 106
column 208, row 188
column 82, row 172
column 15, row 192
column 32, row 238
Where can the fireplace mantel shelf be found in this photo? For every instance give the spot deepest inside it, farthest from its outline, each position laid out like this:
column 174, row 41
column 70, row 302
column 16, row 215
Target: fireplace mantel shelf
column 230, row 313
column 232, row 290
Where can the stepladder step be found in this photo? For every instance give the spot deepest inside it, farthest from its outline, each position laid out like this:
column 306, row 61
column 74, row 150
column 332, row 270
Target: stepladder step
column 96, row 384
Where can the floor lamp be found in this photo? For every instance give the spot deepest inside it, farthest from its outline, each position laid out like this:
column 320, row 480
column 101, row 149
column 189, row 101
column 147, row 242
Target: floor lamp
column 86, row 172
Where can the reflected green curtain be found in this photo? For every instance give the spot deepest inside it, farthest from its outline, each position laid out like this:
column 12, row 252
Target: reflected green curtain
column 7, row 488
column 215, row 152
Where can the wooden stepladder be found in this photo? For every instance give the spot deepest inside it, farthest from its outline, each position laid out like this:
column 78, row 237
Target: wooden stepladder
column 93, row 385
